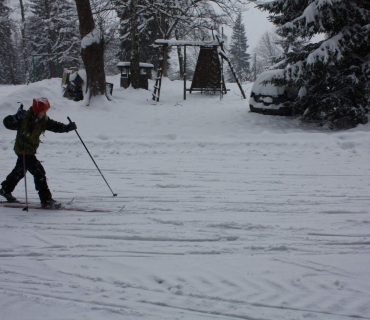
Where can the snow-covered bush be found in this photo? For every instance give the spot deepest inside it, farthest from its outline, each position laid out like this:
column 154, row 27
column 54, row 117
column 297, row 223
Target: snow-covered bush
column 334, row 73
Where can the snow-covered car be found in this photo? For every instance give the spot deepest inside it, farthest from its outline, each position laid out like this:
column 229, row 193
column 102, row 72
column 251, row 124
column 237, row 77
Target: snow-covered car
column 268, row 98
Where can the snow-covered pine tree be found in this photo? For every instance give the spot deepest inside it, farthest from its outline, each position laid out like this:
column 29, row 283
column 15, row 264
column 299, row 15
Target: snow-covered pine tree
column 135, row 28
column 333, row 74
column 147, row 34
column 288, row 44
column 267, row 52
column 7, row 54
column 52, row 32
column 238, row 51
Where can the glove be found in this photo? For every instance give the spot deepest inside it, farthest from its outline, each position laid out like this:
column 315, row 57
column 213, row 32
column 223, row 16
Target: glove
column 71, row 126
column 20, row 115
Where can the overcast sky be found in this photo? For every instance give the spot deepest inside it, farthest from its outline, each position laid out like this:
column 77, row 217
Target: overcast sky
column 256, row 24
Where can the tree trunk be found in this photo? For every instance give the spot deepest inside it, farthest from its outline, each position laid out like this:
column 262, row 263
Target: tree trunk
column 135, row 47
column 93, row 53
column 165, row 48
column 24, row 42
column 180, row 57
column 49, row 57
column 164, row 62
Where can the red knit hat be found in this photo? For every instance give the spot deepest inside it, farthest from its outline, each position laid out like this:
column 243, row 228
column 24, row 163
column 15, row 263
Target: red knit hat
column 40, row 104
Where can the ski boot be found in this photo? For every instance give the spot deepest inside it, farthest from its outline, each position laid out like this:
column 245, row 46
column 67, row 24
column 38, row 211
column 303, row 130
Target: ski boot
column 8, row 196
column 50, row 204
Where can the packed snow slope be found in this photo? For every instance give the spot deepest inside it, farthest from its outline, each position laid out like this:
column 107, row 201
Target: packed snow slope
column 228, row 214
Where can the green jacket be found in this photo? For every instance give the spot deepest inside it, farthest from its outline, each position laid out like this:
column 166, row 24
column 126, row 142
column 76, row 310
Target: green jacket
column 29, row 130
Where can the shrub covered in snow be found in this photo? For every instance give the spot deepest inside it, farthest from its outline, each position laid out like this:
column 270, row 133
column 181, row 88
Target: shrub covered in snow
column 333, row 73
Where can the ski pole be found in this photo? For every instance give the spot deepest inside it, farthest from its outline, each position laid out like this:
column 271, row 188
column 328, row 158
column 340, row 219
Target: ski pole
column 25, row 181
column 24, row 169
column 114, row 194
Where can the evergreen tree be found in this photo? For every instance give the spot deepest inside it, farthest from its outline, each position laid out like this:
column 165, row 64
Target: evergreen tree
column 333, row 74
column 111, row 58
column 238, row 51
column 7, row 53
column 53, row 37
column 147, row 32
column 288, row 44
column 148, row 53
column 138, row 34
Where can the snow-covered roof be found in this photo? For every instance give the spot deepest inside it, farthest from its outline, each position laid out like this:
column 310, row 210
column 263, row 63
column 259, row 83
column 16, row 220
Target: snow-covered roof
column 174, row 42
column 127, row 64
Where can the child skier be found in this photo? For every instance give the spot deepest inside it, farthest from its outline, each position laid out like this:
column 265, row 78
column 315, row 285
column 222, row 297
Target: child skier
column 30, row 125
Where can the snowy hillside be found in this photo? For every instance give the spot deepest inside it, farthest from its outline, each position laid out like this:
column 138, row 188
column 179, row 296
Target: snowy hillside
column 228, row 214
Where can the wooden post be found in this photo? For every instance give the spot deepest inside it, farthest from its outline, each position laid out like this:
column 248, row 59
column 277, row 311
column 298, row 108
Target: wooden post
column 222, row 68
column 222, row 78
column 184, row 72
column 255, row 67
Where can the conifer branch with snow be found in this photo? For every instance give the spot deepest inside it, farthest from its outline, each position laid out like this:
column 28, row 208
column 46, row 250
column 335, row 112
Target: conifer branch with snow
column 334, row 72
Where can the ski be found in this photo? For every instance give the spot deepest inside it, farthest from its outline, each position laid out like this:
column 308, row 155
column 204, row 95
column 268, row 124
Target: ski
column 21, row 205
column 59, row 207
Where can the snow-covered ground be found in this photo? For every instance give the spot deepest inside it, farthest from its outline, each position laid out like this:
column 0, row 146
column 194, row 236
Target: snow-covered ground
column 228, row 214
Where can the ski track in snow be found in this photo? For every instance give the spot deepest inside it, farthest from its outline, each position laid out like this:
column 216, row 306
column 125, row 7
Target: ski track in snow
column 228, row 214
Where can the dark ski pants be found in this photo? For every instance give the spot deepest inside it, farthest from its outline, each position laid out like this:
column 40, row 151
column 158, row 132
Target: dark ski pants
column 35, row 167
